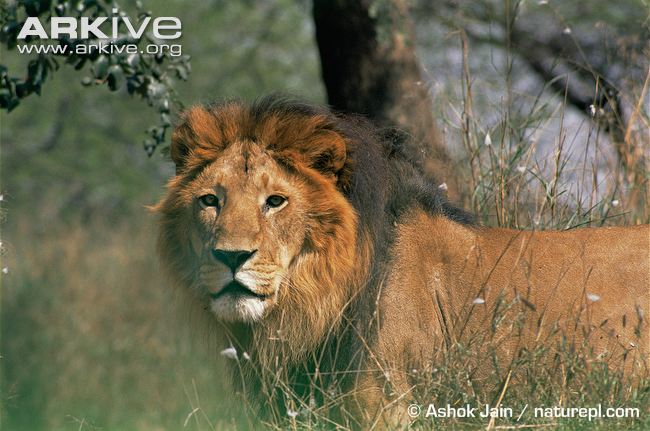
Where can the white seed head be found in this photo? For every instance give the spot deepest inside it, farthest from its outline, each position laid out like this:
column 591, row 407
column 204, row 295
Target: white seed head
column 488, row 139
column 566, row 30
column 246, row 356
column 593, row 297
column 5, row 270
column 478, row 301
column 230, row 353
column 292, row 413
column 592, row 110
column 615, row 203
column 521, row 169
column 443, row 187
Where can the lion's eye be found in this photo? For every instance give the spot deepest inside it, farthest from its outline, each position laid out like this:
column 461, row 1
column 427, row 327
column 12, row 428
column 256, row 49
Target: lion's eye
column 209, row 200
column 275, row 201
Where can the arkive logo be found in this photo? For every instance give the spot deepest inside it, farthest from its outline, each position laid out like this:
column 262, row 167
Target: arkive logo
column 164, row 28
column 105, row 35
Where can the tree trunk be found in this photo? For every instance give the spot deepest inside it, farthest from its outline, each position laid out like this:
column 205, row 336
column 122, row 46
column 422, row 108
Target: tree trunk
column 369, row 67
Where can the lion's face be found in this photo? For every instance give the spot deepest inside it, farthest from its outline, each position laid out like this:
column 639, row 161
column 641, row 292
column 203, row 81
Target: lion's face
column 248, row 226
column 255, row 219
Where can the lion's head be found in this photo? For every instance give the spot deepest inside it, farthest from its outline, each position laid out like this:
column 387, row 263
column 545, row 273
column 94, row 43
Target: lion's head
column 280, row 212
column 258, row 224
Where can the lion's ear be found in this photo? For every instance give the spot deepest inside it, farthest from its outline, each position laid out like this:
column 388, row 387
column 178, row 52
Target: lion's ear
column 324, row 151
column 196, row 131
column 182, row 142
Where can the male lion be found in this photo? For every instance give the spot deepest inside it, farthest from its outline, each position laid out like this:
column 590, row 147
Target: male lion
column 312, row 244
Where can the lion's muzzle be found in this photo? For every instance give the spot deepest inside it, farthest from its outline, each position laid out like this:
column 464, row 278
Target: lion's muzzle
column 233, row 259
column 239, row 284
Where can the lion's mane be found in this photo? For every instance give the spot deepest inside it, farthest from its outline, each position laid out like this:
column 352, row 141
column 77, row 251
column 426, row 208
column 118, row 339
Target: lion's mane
column 337, row 280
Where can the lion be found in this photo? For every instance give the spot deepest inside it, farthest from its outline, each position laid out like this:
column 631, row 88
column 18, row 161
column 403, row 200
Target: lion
column 324, row 258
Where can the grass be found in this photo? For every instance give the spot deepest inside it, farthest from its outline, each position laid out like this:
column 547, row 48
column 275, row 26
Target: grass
column 528, row 169
column 90, row 338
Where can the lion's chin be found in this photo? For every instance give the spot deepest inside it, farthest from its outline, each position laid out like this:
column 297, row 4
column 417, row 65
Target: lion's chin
column 236, row 303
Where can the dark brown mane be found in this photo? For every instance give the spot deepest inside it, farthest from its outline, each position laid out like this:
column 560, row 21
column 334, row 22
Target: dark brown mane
column 350, row 243
column 384, row 182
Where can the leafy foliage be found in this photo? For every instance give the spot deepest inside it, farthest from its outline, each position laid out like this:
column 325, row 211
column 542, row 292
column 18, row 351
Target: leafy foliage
column 150, row 76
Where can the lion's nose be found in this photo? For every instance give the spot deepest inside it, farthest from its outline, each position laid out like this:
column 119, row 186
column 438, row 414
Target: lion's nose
column 233, row 259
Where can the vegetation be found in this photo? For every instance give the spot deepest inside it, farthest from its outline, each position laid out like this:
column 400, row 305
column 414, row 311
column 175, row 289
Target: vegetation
column 148, row 75
column 90, row 337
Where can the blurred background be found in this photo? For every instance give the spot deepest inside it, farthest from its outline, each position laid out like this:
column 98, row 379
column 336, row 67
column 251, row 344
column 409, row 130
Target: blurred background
column 531, row 114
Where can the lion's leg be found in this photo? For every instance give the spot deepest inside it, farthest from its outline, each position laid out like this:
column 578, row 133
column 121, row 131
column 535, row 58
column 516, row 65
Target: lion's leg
column 379, row 399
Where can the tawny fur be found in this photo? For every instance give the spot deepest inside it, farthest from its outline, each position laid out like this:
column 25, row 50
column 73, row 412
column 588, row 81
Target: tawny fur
column 368, row 269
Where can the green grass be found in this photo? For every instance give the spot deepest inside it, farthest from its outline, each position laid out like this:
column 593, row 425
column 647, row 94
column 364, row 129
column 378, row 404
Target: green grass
column 91, row 339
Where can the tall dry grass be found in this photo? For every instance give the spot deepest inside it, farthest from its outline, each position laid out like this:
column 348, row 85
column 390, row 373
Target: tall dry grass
column 529, row 169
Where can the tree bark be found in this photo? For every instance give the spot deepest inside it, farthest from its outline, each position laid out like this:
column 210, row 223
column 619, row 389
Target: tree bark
column 369, row 67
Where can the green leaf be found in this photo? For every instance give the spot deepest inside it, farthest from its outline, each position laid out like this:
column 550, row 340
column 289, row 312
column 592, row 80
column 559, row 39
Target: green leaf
column 133, row 60
column 116, row 79
column 181, row 72
column 100, row 67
